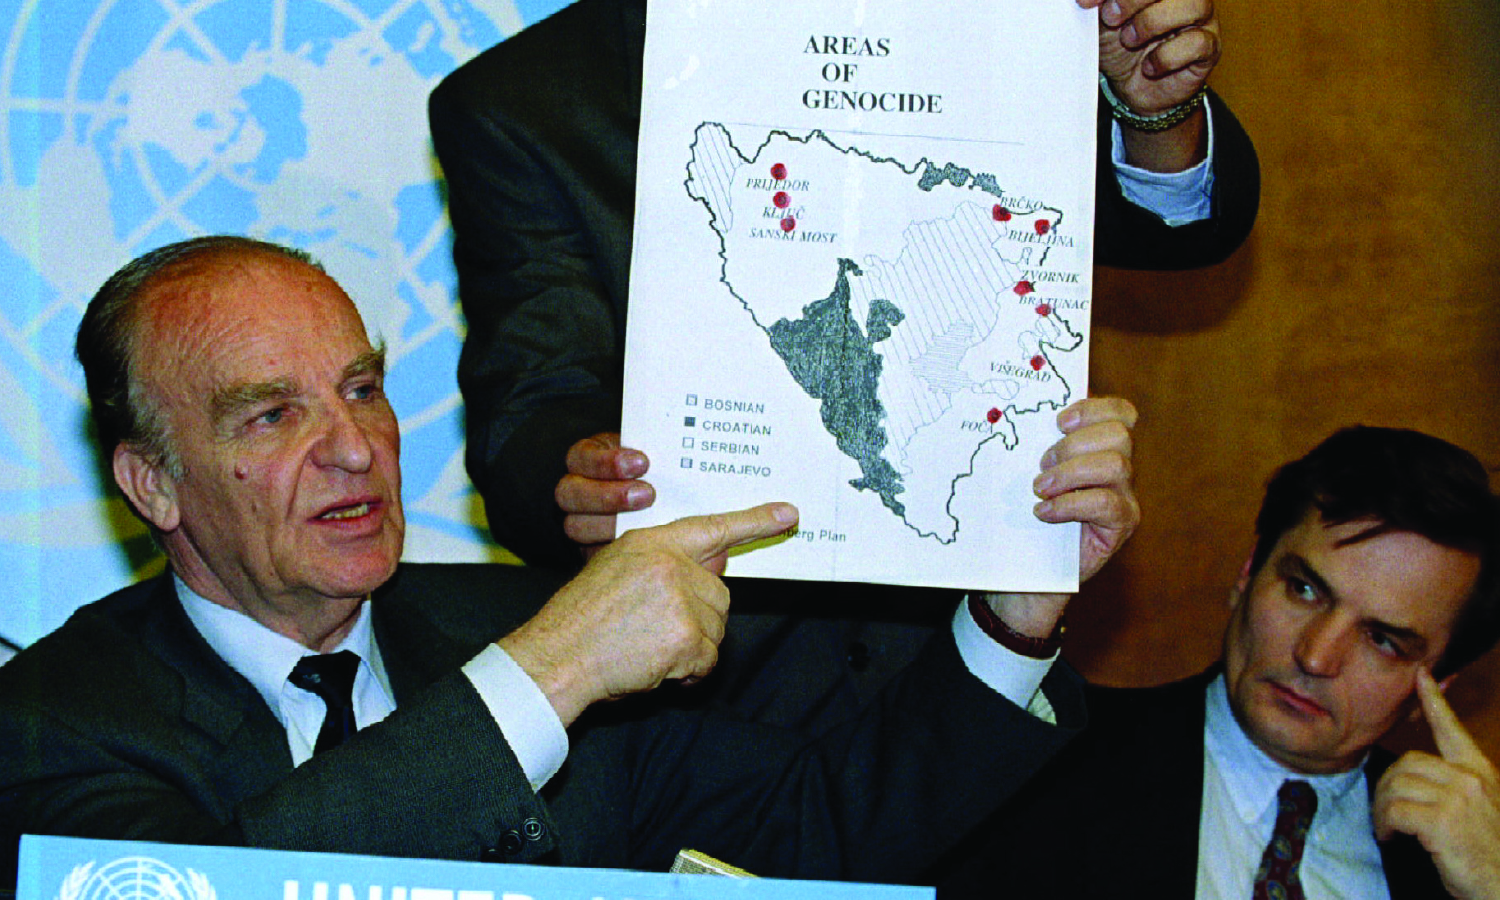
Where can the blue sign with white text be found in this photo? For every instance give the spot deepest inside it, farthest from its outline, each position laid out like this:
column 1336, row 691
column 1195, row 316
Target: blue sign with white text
column 54, row 868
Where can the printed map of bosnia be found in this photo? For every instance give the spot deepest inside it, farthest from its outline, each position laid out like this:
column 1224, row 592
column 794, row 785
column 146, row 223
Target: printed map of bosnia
column 923, row 338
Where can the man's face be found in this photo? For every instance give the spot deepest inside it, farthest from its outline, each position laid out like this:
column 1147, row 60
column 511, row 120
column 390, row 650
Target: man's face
column 290, row 488
column 1325, row 641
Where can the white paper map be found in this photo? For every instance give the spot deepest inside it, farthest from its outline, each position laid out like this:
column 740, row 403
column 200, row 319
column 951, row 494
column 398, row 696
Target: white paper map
column 861, row 279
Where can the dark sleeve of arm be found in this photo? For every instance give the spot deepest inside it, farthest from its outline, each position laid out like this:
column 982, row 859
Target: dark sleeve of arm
column 875, row 800
column 436, row 779
column 541, row 362
column 1129, row 237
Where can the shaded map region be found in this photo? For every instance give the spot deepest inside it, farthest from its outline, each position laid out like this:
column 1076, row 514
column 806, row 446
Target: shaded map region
column 836, row 363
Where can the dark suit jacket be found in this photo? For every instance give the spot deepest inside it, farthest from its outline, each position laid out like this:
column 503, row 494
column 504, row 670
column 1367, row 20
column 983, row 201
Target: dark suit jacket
column 125, row 724
column 1116, row 813
column 537, row 140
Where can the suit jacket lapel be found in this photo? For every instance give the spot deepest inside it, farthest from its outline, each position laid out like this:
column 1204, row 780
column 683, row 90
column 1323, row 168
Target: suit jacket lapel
column 244, row 747
column 415, row 652
column 1139, row 775
column 1175, row 766
column 1189, row 802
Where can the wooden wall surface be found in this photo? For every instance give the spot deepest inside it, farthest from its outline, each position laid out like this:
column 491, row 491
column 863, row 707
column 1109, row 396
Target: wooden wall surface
column 1366, row 294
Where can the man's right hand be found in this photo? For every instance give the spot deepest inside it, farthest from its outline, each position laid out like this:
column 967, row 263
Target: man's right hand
column 647, row 608
column 603, row 479
column 1449, row 802
column 1086, row 478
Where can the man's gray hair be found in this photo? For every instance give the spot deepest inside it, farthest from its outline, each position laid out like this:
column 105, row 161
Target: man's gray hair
column 121, row 409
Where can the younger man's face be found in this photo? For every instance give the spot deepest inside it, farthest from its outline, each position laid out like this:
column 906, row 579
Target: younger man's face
column 1325, row 641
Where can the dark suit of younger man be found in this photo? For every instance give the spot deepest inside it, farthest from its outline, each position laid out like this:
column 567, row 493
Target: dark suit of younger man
column 537, row 140
column 125, row 724
column 1116, row 813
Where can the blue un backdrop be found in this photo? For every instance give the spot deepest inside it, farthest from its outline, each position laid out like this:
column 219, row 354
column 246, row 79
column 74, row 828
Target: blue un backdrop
column 128, row 124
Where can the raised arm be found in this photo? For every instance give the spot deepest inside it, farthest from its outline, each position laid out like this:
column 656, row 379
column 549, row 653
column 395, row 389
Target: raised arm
column 1085, row 478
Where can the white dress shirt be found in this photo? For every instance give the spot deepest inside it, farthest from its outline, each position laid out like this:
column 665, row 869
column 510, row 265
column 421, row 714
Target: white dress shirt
column 1341, row 858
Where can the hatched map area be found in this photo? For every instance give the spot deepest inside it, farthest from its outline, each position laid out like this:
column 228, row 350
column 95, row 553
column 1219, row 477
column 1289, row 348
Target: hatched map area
column 944, row 334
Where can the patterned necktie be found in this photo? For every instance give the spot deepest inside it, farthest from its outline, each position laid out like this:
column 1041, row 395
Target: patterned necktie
column 331, row 678
column 1276, row 879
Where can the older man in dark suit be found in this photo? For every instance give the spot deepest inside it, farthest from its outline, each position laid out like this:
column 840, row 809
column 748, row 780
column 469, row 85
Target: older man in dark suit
column 1376, row 569
column 287, row 685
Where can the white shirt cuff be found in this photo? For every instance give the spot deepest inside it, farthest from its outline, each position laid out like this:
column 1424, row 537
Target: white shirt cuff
column 1017, row 678
column 1177, row 197
column 527, row 721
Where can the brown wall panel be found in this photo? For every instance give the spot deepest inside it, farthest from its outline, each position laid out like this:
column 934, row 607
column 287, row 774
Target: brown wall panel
column 1367, row 293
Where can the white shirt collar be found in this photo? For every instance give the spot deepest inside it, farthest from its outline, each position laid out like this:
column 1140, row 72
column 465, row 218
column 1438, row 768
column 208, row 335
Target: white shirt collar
column 266, row 658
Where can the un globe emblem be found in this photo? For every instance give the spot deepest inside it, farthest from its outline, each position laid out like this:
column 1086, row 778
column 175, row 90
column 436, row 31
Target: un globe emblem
column 135, row 878
column 127, row 124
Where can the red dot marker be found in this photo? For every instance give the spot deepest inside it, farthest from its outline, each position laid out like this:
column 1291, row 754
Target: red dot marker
column 1000, row 213
column 1044, row 309
column 1042, row 226
column 1037, row 362
column 993, row 415
column 782, row 199
column 778, row 172
column 788, row 223
column 1023, row 288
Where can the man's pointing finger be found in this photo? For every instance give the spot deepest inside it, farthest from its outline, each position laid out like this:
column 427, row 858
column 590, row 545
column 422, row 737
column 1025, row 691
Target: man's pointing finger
column 705, row 537
column 1452, row 739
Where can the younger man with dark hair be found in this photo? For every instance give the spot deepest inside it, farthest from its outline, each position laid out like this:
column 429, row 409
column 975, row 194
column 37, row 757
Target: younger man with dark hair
column 1373, row 573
